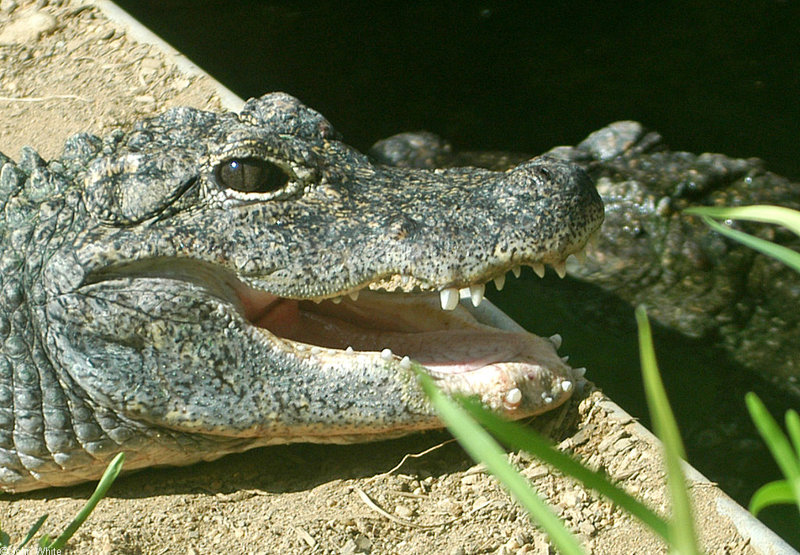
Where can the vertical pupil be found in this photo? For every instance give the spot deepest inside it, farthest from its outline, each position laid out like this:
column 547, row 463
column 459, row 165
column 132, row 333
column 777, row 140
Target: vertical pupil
column 239, row 180
column 251, row 175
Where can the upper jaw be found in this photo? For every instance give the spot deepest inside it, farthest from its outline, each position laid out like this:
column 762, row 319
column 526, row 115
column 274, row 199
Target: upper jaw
column 471, row 285
column 416, row 230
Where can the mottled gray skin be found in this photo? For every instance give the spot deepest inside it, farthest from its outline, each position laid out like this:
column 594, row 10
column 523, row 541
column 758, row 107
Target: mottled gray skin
column 691, row 279
column 131, row 277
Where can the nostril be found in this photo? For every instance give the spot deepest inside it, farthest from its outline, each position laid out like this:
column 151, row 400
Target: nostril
column 401, row 228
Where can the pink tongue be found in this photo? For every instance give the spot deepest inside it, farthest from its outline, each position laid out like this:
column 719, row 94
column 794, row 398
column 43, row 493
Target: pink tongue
column 279, row 316
column 442, row 350
column 434, row 344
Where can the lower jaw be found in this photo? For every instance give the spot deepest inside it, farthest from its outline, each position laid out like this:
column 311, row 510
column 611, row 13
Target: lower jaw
column 473, row 351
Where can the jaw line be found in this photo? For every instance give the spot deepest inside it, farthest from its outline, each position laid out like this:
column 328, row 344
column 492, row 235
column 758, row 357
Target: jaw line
column 469, row 351
column 521, row 387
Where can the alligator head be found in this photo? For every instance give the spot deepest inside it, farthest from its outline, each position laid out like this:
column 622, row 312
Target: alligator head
column 252, row 279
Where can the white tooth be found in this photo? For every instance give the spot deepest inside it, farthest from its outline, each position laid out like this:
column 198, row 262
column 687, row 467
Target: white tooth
column 476, row 293
column 580, row 256
column 336, row 300
column 565, row 359
column 349, row 350
column 386, row 354
column 499, row 282
column 514, row 396
column 516, row 270
column 405, row 363
column 316, row 350
column 353, row 295
column 560, row 268
column 555, row 339
column 538, row 267
column 546, row 398
column 579, row 372
column 566, row 385
column 317, row 301
column 464, row 293
column 449, row 298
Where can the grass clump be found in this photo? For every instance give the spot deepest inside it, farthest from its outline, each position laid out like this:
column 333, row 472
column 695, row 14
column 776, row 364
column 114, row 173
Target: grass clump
column 54, row 544
column 785, row 450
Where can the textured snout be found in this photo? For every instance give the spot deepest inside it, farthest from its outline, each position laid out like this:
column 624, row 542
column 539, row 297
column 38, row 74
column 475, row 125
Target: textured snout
column 554, row 202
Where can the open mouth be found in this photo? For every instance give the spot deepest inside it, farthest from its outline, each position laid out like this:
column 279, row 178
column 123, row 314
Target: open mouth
column 449, row 332
column 509, row 369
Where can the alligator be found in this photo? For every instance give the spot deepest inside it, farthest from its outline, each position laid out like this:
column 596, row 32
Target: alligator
column 206, row 283
column 694, row 282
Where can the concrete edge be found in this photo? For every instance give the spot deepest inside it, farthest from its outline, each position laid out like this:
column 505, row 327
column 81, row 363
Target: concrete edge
column 229, row 99
column 761, row 537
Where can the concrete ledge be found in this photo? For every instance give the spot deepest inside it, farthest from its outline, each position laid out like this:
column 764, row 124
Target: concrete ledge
column 142, row 34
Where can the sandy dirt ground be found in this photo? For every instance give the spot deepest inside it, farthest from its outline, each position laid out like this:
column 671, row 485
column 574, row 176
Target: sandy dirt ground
column 65, row 68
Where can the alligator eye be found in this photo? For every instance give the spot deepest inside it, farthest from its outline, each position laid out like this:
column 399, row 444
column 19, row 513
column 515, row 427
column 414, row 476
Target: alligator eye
column 251, row 175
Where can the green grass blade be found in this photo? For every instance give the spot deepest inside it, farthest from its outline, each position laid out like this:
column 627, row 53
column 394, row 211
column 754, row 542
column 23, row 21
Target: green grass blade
column 760, row 213
column 518, row 437
column 778, row 492
column 683, row 538
column 777, row 443
column 772, row 434
column 785, row 255
column 481, row 447
column 111, row 473
column 793, row 427
column 786, row 217
column 33, row 530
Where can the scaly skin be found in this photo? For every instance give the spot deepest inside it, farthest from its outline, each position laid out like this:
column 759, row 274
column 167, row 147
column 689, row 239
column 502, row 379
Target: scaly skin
column 693, row 281
column 175, row 292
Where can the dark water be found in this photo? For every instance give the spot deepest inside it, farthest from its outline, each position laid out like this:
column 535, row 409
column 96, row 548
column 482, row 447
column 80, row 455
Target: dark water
column 526, row 76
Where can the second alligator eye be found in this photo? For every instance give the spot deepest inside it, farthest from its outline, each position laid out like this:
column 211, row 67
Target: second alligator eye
column 251, row 175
